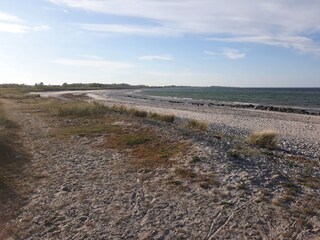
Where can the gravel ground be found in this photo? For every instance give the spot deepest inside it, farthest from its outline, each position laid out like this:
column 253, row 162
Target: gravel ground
column 80, row 191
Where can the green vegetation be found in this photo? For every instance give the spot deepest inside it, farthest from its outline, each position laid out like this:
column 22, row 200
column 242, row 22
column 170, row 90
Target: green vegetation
column 136, row 140
column 263, row 139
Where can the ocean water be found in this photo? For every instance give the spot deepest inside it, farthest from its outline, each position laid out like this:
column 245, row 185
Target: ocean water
column 308, row 98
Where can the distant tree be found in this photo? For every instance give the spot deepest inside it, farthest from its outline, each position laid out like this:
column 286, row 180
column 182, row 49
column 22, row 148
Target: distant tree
column 39, row 84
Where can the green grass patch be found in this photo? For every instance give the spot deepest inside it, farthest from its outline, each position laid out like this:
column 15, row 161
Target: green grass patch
column 136, row 140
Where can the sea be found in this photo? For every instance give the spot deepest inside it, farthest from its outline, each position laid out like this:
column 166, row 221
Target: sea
column 306, row 98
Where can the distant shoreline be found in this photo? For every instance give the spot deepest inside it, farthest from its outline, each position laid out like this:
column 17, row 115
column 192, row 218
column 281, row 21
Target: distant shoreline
column 292, row 100
column 299, row 126
column 274, row 108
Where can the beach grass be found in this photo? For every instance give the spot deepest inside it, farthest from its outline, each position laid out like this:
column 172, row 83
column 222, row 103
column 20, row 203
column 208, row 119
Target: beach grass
column 144, row 114
column 77, row 109
column 162, row 117
column 264, row 139
column 197, row 125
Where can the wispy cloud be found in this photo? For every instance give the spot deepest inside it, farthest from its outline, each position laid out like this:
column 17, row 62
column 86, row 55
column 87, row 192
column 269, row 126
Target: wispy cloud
column 238, row 18
column 13, row 24
column 93, row 62
column 233, row 54
column 56, row 9
column 166, row 57
column 212, row 53
column 302, row 44
column 129, row 29
column 9, row 18
column 229, row 53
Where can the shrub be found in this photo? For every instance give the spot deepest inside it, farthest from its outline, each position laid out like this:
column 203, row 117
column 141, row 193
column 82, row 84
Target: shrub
column 198, row 125
column 264, row 139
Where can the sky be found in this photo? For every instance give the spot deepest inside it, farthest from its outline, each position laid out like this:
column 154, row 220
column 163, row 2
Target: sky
column 241, row 43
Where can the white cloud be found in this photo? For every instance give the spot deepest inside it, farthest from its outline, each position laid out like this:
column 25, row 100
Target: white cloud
column 129, row 29
column 166, row 57
column 9, row 18
column 93, row 62
column 12, row 28
column 302, row 44
column 214, row 16
column 40, row 28
column 270, row 18
column 13, row 24
column 233, row 54
column 94, row 57
column 212, row 53
column 56, row 9
column 230, row 53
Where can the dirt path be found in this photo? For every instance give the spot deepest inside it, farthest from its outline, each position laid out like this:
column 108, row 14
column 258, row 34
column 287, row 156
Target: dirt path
column 79, row 191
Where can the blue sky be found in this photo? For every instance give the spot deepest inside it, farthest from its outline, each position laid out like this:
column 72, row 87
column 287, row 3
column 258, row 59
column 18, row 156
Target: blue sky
column 245, row 43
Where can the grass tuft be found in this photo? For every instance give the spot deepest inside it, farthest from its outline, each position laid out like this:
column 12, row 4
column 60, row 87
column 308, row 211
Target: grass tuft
column 162, row 117
column 138, row 113
column 120, row 108
column 264, row 139
column 198, row 125
column 78, row 109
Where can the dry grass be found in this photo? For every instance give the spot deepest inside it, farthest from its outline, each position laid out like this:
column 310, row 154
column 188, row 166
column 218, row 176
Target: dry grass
column 77, row 109
column 197, row 125
column 17, row 93
column 264, row 139
column 85, row 130
column 13, row 159
column 162, row 117
column 138, row 113
column 147, row 148
column 205, row 181
column 144, row 114
column 120, row 108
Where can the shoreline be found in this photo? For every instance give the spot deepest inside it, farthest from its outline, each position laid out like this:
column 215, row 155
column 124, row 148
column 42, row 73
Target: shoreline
column 293, row 125
column 231, row 104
